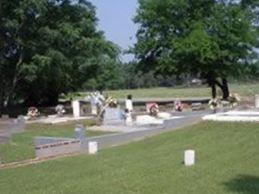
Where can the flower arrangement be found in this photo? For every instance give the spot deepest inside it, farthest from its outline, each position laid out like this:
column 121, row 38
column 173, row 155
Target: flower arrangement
column 214, row 103
column 60, row 110
column 152, row 108
column 234, row 99
column 33, row 112
column 178, row 106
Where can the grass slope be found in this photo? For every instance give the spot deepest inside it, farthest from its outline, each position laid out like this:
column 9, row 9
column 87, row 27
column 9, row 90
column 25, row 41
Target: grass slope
column 227, row 162
column 21, row 145
column 245, row 90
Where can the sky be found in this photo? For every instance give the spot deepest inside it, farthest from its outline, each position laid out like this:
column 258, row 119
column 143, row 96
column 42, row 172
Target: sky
column 115, row 19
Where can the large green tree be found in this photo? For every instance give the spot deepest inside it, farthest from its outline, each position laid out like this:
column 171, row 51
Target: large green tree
column 209, row 38
column 49, row 47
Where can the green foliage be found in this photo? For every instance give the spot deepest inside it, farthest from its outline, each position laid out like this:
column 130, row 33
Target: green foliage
column 211, row 39
column 50, row 47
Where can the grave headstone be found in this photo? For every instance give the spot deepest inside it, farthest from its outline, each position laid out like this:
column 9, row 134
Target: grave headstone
column 128, row 117
column 189, row 157
column 18, row 125
column 60, row 110
column 76, row 108
column 113, row 116
column 92, row 147
column 93, row 102
column 80, row 132
column 129, row 104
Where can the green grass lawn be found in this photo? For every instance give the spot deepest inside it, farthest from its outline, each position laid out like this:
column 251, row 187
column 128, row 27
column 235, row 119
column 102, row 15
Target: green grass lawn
column 227, row 162
column 245, row 90
column 21, row 145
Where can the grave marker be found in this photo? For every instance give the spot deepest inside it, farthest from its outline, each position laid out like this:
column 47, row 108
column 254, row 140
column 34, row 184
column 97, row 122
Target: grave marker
column 76, row 108
column 189, row 157
column 92, row 147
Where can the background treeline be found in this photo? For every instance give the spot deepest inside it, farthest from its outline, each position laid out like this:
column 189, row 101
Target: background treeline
column 129, row 76
column 53, row 47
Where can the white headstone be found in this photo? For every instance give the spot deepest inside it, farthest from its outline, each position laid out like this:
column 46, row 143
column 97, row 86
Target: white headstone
column 76, row 108
column 93, row 109
column 92, row 147
column 189, row 157
column 129, row 120
column 129, row 105
column 257, row 101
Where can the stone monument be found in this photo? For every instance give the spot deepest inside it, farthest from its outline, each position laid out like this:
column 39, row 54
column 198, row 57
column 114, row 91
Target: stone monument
column 60, row 110
column 129, row 104
column 76, row 108
column 92, row 147
column 189, row 157
column 113, row 116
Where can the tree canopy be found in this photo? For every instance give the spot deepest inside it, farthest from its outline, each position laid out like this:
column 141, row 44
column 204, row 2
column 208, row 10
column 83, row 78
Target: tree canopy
column 48, row 47
column 212, row 39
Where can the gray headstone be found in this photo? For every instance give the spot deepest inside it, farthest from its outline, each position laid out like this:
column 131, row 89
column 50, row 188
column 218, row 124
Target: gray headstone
column 17, row 125
column 80, row 132
column 113, row 116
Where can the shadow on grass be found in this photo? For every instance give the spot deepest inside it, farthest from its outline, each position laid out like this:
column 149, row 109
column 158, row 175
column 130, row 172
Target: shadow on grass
column 244, row 184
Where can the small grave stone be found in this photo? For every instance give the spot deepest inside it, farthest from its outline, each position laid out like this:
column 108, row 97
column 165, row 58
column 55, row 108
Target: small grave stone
column 129, row 104
column 92, row 147
column 113, row 116
column 129, row 120
column 60, row 110
column 18, row 125
column 76, row 108
column 93, row 102
column 80, row 132
column 189, row 157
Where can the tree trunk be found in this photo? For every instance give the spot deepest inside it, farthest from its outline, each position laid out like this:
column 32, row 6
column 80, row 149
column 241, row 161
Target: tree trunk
column 213, row 90
column 15, row 80
column 212, row 84
column 225, row 89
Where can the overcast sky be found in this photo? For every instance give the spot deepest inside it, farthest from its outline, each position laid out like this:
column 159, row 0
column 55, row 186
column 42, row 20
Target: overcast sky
column 115, row 19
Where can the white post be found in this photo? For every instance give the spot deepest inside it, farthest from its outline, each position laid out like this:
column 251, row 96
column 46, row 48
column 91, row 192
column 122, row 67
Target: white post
column 92, row 147
column 256, row 101
column 129, row 120
column 189, row 157
column 76, row 108
column 129, row 105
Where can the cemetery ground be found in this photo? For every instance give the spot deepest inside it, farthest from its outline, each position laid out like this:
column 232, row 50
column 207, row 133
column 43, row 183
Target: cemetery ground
column 21, row 146
column 243, row 89
column 227, row 162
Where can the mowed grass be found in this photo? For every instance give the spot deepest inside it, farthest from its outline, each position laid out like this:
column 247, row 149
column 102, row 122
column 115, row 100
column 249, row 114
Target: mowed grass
column 245, row 90
column 21, row 146
column 227, row 163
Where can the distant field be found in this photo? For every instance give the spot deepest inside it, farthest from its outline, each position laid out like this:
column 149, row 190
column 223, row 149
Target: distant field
column 245, row 90
column 21, row 145
column 227, row 163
